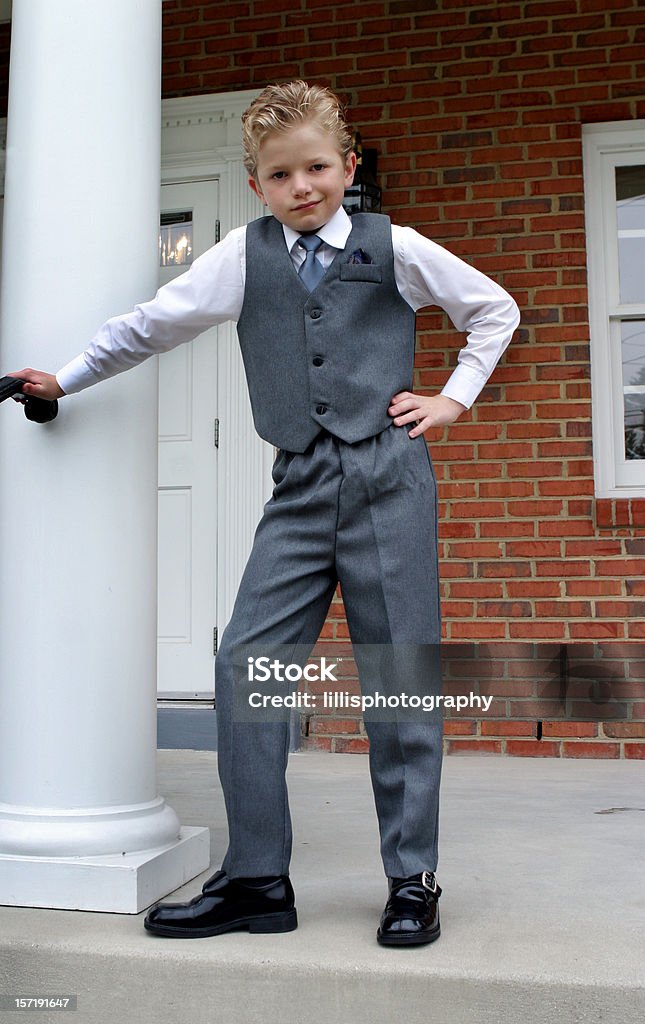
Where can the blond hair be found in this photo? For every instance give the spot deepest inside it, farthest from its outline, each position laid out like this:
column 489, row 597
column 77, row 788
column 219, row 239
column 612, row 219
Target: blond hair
column 280, row 107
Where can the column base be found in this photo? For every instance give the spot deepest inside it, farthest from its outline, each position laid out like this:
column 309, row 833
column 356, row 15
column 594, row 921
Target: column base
column 113, row 884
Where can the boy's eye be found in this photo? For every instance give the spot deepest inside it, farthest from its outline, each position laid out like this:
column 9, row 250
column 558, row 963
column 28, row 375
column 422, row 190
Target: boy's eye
column 279, row 175
column 319, row 167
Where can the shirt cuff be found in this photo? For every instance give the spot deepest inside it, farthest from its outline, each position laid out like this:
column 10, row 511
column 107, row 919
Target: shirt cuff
column 463, row 386
column 75, row 376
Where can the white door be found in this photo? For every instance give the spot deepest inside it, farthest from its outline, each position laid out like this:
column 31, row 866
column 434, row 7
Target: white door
column 187, row 583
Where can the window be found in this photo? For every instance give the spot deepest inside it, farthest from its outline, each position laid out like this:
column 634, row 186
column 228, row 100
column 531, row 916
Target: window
column 176, row 239
column 614, row 168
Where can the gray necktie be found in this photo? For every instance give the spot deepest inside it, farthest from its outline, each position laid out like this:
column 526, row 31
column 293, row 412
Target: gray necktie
column 312, row 270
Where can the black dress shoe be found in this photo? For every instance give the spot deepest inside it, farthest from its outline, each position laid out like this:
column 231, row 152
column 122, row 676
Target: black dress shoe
column 411, row 915
column 228, row 905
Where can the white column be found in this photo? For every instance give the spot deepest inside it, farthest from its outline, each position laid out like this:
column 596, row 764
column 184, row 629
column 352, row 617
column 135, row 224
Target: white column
column 81, row 824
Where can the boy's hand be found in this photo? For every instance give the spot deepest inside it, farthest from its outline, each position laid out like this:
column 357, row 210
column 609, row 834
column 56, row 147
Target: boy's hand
column 427, row 411
column 41, row 385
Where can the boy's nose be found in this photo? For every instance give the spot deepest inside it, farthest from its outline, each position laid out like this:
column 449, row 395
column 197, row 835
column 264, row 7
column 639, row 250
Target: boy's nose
column 300, row 186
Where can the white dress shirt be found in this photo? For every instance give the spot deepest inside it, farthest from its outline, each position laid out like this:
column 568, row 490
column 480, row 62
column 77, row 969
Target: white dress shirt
column 212, row 292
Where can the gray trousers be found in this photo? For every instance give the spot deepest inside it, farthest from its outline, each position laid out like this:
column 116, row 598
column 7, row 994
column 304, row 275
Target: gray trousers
column 364, row 515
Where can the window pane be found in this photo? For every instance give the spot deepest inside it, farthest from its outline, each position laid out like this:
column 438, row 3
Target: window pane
column 630, row 219
column 176, row 239
column 632, row 336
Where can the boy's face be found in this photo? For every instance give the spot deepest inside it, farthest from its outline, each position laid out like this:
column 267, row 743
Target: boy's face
column 301, row 176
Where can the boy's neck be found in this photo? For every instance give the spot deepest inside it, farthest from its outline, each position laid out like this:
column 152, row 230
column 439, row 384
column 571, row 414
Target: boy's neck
column 334, row 232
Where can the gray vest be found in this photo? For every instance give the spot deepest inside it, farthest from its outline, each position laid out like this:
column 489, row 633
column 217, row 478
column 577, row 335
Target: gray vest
column 331, row 359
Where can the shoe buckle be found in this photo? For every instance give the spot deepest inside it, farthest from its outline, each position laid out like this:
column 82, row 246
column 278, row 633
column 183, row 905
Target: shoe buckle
column 428, row 881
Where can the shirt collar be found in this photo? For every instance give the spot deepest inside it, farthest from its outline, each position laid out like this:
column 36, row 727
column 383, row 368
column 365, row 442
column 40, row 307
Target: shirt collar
column 335, row 232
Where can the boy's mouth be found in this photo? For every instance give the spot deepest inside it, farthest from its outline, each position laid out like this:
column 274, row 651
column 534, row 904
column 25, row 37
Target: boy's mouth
column 307, row 206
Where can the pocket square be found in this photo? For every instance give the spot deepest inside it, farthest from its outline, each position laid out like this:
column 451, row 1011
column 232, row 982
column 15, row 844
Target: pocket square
column 359, row 257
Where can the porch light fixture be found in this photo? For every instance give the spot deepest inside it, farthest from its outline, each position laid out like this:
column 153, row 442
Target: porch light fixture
column 364, row 195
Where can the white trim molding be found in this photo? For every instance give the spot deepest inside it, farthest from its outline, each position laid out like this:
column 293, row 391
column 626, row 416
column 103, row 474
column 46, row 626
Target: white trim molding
column 607, row 147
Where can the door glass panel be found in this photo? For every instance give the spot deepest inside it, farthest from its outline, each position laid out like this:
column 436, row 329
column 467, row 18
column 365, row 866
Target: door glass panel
column 632, row 336
column 176, row 239
column 630, row 221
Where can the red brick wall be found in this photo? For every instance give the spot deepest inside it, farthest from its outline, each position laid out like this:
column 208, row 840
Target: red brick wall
column 476, row 109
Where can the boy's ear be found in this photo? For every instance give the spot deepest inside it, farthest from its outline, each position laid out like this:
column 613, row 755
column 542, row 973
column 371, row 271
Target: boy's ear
column 350, row 167
column 256, row 188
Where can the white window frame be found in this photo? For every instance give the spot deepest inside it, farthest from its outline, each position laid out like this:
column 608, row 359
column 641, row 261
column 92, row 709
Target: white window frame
column 605, row 147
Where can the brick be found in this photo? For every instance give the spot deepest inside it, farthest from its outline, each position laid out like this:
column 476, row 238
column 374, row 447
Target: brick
column 468, row 174
column 622, row 567
column 561, row 569
column 597, row 630
column 505, row 609
column 567, row 528
column 534, row 509
column 478, row 510
column 507, row 489
column 457, row 529
column 479, row 549
column 634, row 750
column 474, row 590
column 458, row 609
column 317, row 743
column 326, row 725
column 533, row 589
column 579, row 729
column 532, row 748
column 537, row 631
column 505, row 451
column 623, row 730
column 564, row 609
column 351, row 746
column 459, row 728
column 534, row 549
column 474, row 747
column 592, row 588
column 503, row 569
column 476, row 630
column 590, row 749
column 623, row 609
column 505, row 728
column 448, row 492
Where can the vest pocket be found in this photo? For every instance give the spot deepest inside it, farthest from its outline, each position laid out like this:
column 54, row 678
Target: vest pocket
column 361, row 272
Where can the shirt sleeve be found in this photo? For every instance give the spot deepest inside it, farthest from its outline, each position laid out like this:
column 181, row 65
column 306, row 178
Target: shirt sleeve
column 210, row 293
column 429, row 275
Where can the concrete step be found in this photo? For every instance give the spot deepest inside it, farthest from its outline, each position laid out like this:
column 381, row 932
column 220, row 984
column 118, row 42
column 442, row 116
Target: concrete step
column 543, row 912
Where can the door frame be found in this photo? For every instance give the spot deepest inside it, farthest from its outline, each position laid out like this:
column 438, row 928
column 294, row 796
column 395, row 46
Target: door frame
column 201, row 138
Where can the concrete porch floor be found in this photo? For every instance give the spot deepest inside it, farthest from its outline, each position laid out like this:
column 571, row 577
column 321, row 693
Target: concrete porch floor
column 543, row 912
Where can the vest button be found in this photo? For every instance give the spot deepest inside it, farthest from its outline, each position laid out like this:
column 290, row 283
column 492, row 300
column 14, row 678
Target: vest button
column 316, row 314
column 317, row 361
column 320, row 409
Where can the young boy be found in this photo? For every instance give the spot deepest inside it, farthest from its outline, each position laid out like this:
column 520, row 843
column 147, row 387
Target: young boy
column 325, row 308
